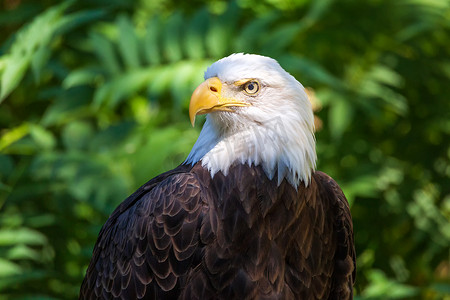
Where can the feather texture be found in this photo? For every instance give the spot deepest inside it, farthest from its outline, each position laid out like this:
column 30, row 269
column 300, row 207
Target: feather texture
column 185, row 235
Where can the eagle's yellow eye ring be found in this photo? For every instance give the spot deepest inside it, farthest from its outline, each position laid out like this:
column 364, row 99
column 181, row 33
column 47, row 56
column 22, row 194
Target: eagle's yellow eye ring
column 251, row 87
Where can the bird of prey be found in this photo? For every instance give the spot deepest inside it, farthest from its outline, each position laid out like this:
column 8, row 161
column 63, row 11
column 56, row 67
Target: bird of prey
column 245, row 216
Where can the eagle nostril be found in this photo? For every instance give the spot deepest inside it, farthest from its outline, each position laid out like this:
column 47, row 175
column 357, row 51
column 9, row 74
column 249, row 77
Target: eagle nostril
column 212, row 89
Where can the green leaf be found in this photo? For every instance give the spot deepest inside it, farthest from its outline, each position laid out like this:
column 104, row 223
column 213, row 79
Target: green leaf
column 72, row 105
column 112, row 136
column 80, row 77
column 19, row 278
column 362, row 186
column 171, row 38
column 128, row 43
column 6, row 165
column 21, row 236
column 161, row 82
column 77, row 135
column 340, row 116
column 310, row 70
column 317, row 10
column 38, row 61
column 277, row 40
column 105, row 51
column 381, row 286
column 21, row 251
column 193, row 37
column 151, row 41
column 42, row 137
column 221, row 31
column 30, row 41
column 8, row 268
column 386, row 76
column 124, row 86
column 250, row 36
column 12, row 74
column 76, row 19
column 13, row 135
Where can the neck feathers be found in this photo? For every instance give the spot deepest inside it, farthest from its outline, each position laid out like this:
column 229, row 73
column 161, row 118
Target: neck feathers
column 282, row 147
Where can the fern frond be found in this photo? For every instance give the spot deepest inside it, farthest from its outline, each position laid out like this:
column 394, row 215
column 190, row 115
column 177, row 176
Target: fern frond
column 32, row 43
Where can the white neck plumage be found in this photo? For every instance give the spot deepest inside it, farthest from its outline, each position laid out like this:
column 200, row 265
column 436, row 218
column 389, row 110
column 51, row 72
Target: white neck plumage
column 282, row 146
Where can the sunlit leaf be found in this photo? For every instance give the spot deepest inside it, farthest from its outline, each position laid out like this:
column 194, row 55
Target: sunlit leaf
column 386, row 75
column 361, row 187
column 380, row 286
column 12, row 75
column 21, row 251
column 8, row 268
column 80, row 77
column 340, row 116
column 42, row 137
column 21, row 235
column 28, row 42
column 13, row 135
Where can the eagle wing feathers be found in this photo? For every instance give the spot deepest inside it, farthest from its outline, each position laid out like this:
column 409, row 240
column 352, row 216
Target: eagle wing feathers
column 151, row 237
column 344, row 272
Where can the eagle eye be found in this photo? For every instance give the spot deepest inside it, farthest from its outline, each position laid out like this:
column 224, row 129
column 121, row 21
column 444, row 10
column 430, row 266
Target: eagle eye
column 251, row 87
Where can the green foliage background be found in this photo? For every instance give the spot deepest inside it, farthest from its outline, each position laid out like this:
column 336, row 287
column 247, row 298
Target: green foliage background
column 93, row 103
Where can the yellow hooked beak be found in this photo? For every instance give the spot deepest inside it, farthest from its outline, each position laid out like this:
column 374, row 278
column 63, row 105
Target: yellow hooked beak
column 207, row 98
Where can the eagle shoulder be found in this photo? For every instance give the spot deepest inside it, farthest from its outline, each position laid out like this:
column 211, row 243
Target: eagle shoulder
column 344, row 272
column 149, row 242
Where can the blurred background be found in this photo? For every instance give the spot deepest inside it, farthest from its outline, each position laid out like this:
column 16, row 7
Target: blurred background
column 93, row 103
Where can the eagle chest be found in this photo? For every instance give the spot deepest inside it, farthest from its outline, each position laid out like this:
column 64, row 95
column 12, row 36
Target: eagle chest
column 258, row 235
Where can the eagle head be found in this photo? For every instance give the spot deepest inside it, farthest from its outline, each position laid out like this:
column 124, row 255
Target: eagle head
column 258, row 114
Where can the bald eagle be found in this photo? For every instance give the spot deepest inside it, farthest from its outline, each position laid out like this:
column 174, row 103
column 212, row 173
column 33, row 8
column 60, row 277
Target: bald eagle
column 246, row 216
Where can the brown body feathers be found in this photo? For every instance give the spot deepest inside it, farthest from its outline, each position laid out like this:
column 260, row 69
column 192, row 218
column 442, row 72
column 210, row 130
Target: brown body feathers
column 185, row 235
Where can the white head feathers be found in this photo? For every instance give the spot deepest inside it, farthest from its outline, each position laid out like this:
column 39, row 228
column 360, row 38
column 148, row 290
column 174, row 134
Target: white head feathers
column 276, row 131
